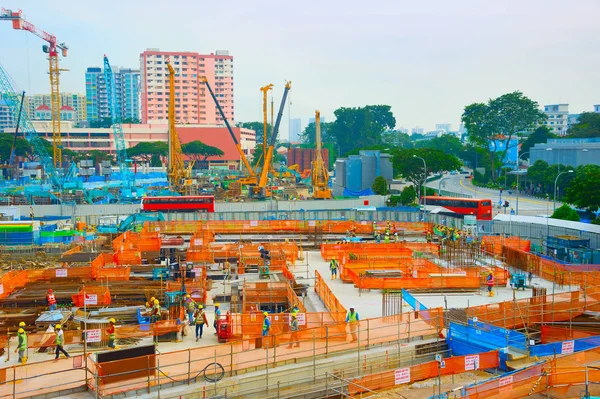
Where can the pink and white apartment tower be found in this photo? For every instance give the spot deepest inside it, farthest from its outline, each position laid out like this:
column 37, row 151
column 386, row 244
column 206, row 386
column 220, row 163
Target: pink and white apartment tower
column 193, row 103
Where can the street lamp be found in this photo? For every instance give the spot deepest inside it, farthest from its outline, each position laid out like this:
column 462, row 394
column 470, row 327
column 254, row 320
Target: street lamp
column 518, row 162
column 556, row 181
column 424, row 185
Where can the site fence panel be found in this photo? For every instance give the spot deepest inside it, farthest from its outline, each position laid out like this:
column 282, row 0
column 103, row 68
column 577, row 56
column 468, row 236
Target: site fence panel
column 565, row 347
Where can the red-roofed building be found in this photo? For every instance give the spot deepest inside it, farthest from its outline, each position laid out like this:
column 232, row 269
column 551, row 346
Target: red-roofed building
column 44, row 113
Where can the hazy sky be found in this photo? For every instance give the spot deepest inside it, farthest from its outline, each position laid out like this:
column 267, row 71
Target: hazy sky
column 427, row 59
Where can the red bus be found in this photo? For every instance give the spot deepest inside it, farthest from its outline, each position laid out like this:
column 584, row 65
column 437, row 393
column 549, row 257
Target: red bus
column 481, row 208
column 184, row 203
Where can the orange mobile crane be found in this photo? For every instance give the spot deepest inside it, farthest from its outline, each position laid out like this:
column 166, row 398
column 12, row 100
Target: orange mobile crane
column 320, row 176
column 261, row 190
column 250, row 178
column 51, row 49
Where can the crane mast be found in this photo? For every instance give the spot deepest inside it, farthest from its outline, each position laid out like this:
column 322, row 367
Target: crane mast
column 261, row 189
column 117, row 127
column 265, row 91
column 176, row 170
column 320, row 176
column 54, row 70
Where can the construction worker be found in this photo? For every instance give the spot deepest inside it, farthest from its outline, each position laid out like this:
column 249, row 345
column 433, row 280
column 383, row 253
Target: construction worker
column 22, row 345
column 490, row 283
column 190, row 306
column 156, row 315
column 111, row 333
column 386, row 239
column 266, row 325
column 51, row 300
column 352, row 319
column 200, row 320
column 333, row 265
column 217, row 316
column 374, row 228
column 60, row 340
column 294, row 329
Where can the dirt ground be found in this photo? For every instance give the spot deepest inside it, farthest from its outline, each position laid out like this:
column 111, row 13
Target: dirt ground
column 427, row 388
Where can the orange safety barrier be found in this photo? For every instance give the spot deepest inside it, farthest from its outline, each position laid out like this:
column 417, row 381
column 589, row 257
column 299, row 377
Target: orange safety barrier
column 72, row 251
column 92, row 296
column 11, row 281
column 397, row 250
column 563, row 376
column 557, row 334
column 336, row 309
column 461, row 279
column 536, row 310
column 409, row 267
column 424, row 371
column 128, row 258
column 256, row 294
column 275, row 226
column 495, row 244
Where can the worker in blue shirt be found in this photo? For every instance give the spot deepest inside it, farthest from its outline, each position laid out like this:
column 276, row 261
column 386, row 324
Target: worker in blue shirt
column 352, row 319
column 266, row 325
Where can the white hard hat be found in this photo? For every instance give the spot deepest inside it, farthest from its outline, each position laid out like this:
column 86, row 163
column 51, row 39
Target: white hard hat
column 352, row 307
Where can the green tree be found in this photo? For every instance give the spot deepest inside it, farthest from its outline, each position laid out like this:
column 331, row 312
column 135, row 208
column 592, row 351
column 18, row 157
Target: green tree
column 539, row 135
column 448, row 143
column 145, row 150
column 501, row 118
column 22, row 147
column 361, row 127
column 380, row 186
column 101, row 123
column 588, row 125
column 393, row 138
column 133, row 121
column 310, row 132
column 411, row 168
column 200, row 152
column 584, row 188
column 408, row 195
column 565, row 212
column 258, row 128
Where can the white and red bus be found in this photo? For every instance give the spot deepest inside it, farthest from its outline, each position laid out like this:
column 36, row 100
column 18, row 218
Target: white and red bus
column 184, row 203
column 481, row 208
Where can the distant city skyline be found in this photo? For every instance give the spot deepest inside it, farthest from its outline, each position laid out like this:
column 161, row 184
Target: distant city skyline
column 449, row 67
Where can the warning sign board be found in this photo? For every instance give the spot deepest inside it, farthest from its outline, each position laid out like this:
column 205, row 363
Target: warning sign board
column 61, row 272
column 93, row 335
column 91, row 299
column 471, row 362
column 567, row 347
column 254, row 223
column 505, row 383
column 1, row 289
column 301, row 317
column 402, row 376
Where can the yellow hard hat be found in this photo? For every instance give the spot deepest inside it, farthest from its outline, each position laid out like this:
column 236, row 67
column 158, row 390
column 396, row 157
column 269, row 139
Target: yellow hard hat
column 147, row 305
column 112, row 320
column 200, row 307
column 294, row 315
column 21, row 331
column 217, row 305
column 58, row 326
column 187, row 296
column 156, row 302
column 22, row 324
column 152, row 299
column 266, row 313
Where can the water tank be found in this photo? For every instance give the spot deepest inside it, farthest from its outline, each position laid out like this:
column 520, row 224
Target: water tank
column 340, row 172
column 386, row 168
column 369, row 171
column 354, row 173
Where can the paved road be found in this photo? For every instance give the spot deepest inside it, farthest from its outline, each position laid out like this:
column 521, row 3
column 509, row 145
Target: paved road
column 528, row 206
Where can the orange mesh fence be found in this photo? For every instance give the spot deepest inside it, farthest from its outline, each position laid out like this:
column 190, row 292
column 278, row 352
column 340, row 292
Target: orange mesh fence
column 358, row 249
column 495, row 244
column 128, row 258
column 556, row 334
column 408, row 267
column 563, row 376
column 536, row 310
column 423, row 371
column 461, row 279
column 92, row 296
column 72, row 251
column 329, row 300
column 11, row 281
column 280, row 294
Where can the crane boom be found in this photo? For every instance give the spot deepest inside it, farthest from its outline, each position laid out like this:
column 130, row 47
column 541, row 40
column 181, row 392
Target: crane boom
column 249, row 171
column 264, row 174
column 54, row 70
column 176, row 170
column 320, row 177
column 117, row 127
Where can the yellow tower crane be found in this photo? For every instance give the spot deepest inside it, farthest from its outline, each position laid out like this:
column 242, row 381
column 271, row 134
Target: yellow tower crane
column 177, row 173
column 54, row 70
column 265, row 91
column 320, row 176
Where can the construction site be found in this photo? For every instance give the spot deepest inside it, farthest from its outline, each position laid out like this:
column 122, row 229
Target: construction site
column 259, row 282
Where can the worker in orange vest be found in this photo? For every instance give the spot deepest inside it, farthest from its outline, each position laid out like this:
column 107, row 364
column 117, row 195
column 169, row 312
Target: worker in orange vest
column 490, row 284
column 51, row 300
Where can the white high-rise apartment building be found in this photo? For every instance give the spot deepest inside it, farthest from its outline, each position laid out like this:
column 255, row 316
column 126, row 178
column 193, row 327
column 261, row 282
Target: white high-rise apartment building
column 558, row 118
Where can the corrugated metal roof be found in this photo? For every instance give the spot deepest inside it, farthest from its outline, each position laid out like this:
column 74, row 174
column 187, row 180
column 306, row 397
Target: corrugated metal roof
column 592, row 228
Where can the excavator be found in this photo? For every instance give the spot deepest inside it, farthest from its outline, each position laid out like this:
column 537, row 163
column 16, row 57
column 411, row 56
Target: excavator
column 250, row 179
column 179, row 175
column 261, row 190
column 320, row 176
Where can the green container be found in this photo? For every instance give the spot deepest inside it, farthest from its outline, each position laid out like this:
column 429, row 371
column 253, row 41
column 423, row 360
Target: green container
column 16, row 228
